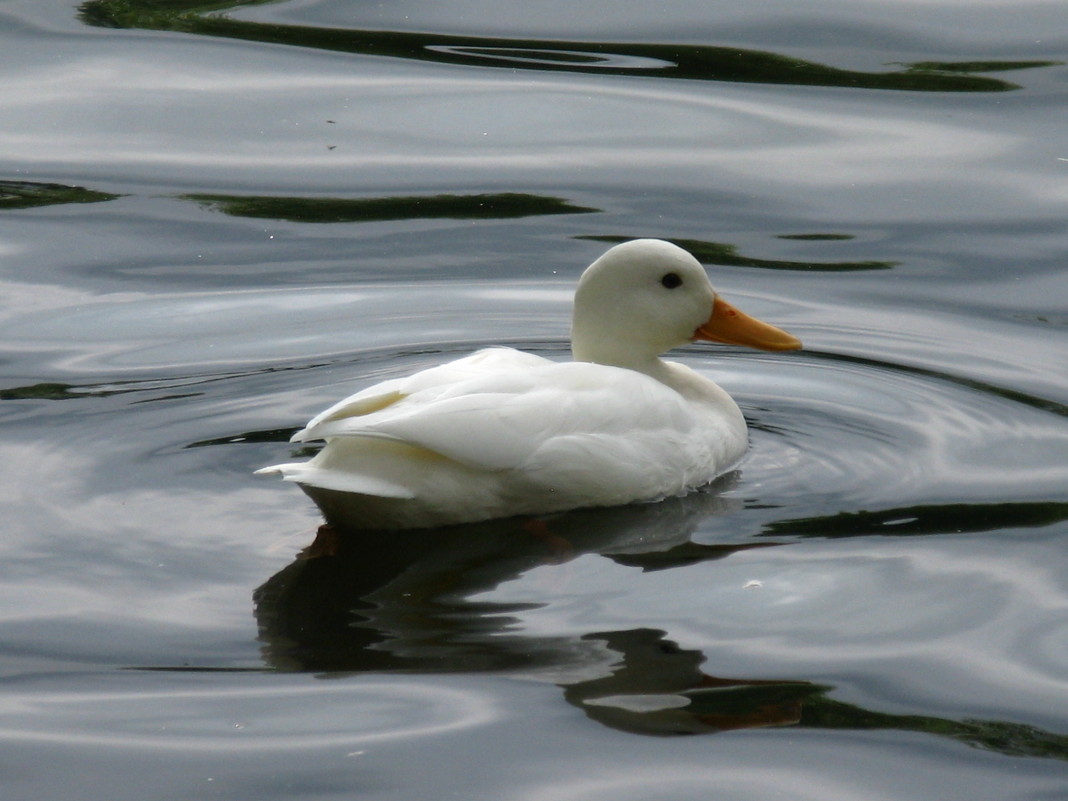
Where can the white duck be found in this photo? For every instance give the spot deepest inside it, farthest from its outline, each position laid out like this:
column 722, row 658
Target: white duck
column 502, row 432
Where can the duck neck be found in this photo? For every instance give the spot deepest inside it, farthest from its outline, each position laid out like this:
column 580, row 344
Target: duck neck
column 621, row 356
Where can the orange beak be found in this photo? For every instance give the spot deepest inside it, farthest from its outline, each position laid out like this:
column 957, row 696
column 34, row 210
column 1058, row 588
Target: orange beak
column 730, row 326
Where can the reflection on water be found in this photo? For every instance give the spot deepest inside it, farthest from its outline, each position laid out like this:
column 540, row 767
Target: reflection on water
column 950, row 518
column 410, row 588
column 722, row 253
column 691, row 62
column 358, row 601
column 497, row 206
column 27, row 194
column 324, row 210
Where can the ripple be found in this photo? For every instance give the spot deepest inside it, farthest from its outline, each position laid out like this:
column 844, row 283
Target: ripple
column 203, row 330
column 867, row 435
column 275, row 718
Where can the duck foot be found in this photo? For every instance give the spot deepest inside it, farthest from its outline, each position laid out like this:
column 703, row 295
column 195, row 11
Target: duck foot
column 560, row 549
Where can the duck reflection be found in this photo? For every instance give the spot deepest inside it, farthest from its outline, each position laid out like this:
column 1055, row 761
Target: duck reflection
column 358, row 601
column 407, row 600
column 656, row 687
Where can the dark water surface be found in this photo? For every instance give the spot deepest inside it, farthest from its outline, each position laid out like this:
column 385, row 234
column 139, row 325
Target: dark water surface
column 217, row 218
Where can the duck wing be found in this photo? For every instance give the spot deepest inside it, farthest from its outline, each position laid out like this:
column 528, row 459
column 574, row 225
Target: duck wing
column 516, row 414
column 428, row 384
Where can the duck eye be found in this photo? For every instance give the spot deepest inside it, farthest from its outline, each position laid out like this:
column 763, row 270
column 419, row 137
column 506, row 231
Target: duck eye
column 671, row 280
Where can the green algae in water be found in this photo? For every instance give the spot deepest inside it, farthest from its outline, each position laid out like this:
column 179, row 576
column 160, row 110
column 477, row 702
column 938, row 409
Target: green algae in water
column 330, row 210
column 27, row 194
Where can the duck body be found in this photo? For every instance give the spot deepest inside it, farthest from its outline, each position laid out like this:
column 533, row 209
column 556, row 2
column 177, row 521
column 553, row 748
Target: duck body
column 502, row 432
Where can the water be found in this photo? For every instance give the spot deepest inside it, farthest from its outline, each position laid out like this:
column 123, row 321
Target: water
column 282, row 203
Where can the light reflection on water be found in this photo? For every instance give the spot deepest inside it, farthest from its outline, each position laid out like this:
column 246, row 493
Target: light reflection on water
column 871, row 606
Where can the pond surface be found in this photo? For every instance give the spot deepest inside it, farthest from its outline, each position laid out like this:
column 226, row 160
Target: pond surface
column 218, row 218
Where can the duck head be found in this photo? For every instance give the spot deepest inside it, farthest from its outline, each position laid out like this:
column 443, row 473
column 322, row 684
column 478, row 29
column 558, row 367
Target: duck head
column 645, row 297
